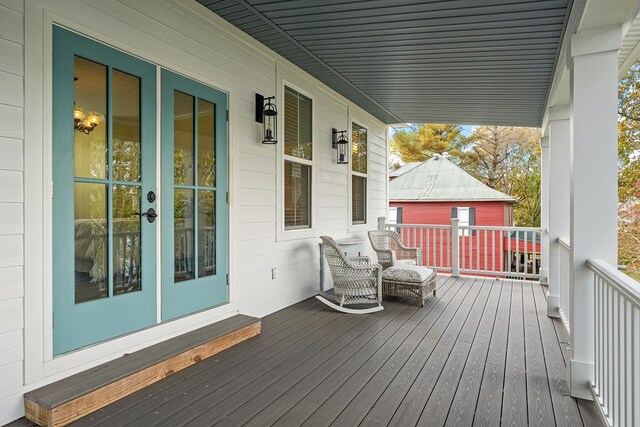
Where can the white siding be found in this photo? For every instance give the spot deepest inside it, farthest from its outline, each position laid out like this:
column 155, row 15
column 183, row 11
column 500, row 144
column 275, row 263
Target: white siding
column 11, row 208
column 187, row 38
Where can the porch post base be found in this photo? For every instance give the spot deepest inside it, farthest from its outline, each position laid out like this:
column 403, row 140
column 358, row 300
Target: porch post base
column 580, row 373
column 553, row 305
column 544, row 276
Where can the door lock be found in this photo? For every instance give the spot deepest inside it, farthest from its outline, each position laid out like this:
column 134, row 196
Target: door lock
column 151, row 197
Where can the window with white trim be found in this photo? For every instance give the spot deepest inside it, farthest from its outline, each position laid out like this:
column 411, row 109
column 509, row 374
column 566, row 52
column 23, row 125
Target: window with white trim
column 358, row 174
column 298, row 159
column 466, row 217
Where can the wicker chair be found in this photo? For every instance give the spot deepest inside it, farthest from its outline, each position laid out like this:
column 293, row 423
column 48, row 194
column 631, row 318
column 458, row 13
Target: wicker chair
column 355, row 279
column 391, row 251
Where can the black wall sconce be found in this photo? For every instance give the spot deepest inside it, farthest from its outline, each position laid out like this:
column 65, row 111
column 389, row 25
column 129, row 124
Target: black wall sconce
column 340, row 142
column 267, row 114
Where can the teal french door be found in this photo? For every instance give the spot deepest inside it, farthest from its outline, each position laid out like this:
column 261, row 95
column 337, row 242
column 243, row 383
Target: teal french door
column 194, row 189
column 104, row 233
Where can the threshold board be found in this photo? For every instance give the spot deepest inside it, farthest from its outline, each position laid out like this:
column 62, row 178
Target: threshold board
column 74, row 397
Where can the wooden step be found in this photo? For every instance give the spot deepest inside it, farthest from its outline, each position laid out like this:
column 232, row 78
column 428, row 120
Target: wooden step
column 69, row 399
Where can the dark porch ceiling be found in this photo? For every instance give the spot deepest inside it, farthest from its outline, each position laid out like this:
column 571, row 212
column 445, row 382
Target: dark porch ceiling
column 438, row 61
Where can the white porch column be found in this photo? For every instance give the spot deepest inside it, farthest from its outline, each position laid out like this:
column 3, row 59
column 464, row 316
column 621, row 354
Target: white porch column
column 593, row 219
column 559, row 191
column 544, row 212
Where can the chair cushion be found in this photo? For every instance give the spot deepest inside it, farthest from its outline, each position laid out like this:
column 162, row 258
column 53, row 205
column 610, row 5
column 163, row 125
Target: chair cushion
column 406, row 261
column 407, row 273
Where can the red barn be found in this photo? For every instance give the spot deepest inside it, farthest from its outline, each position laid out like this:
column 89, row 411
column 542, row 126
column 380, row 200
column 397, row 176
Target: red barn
column 433, row 192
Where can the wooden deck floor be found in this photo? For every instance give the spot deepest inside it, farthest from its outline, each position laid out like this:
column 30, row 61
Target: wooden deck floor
column 483, row 352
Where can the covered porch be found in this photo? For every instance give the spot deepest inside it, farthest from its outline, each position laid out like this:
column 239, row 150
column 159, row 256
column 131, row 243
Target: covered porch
column 563, row 350
column 482, row 353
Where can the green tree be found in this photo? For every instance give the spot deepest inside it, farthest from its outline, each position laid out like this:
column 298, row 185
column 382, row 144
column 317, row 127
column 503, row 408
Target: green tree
column 422, row 141
column 629, row 171
column 629, row 134
column 508, row 160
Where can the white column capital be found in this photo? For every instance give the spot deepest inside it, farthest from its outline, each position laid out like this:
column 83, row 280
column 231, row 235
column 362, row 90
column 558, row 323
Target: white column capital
column 596, row 41
column 559, row 112
column 544, row 142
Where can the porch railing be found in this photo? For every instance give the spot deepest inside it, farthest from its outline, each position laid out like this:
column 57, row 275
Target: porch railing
column 433, row 240
column 616, row 385
column 483, row 250
column 565, row 303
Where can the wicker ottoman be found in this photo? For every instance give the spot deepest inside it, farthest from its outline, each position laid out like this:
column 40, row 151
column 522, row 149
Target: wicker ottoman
column 409, row 280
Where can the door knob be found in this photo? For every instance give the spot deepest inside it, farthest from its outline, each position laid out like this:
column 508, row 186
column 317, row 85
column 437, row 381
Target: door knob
column 150, row 214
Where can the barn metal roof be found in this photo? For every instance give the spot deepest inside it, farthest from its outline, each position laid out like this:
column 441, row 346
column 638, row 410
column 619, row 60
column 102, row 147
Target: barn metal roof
column 455, row 61
column 439, row 180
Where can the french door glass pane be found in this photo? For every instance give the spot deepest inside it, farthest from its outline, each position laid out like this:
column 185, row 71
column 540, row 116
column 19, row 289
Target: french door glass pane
column 206, row 144
column 90, row 110
column 183, row 138
column 126, row 127
column 126, row 239
column 206, row 233
column 297, row 192
column 184, row 243
column 91, row 242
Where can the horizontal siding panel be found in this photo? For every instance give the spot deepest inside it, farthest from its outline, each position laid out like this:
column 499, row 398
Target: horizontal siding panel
column 251, row 215
column 10, row 154
column 12, row 347
column 333, row 212
column 251, row 197
column 11, row 89
column 256, row 230
column 11, row 220
column 11, row 58
column 11, row 121
column 11, row 315
column 11, row 250
column 10, row 186
column 17, row 5
column 332, row 200
column 258, row 181
column 331, row 190
column 254, row 163
column 11, row 25
column 11, row 283
column 304, row 257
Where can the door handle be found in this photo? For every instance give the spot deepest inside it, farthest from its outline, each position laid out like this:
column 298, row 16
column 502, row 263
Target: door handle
column 150, row 214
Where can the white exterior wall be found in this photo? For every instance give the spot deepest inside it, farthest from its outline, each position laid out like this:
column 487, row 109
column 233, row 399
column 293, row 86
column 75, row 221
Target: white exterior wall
column 11, row 205
column 184, row 37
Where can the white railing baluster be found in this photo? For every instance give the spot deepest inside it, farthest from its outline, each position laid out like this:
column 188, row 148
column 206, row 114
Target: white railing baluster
column 616, row 383
column 486, row 265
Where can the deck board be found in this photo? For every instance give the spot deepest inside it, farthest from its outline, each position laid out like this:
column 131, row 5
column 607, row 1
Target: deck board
column 539, row 404
column 514, row 396
column 483, row 352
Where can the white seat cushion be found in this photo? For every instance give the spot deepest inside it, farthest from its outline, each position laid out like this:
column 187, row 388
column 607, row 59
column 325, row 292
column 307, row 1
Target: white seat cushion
column 407, row 273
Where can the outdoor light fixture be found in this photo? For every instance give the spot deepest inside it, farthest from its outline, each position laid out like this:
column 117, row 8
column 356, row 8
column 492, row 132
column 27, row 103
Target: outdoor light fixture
column 267, row 114
column 340, row 142
column 82, row 123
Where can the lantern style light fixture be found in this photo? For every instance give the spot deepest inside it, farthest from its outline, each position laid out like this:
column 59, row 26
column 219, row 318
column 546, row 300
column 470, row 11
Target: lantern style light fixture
column 267, row 114
column 82, row 123
column 340, row 142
